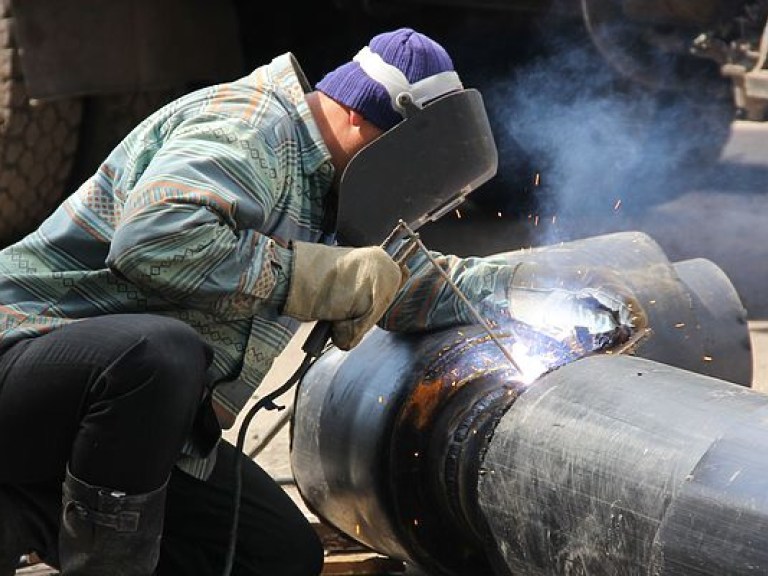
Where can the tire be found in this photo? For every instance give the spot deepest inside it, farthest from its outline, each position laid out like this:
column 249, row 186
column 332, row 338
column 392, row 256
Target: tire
column 37, row 144
column 687, row 91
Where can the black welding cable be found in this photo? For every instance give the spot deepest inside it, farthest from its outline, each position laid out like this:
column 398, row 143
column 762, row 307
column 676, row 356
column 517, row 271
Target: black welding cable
column 313, row 347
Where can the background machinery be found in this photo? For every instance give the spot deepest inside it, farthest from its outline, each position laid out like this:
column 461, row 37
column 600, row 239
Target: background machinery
column 76, row 76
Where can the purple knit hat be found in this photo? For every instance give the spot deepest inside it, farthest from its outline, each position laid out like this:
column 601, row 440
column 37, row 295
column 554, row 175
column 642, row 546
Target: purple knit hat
column 413, row 53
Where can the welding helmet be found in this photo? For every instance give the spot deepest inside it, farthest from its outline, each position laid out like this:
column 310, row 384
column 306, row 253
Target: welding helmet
column 439, row 151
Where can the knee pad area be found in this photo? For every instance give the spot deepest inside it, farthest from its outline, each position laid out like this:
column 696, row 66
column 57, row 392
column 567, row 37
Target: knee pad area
column 166, row 363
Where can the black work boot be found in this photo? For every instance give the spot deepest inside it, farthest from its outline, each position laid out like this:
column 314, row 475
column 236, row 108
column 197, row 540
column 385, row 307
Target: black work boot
column 11, row 545
column 104, row 532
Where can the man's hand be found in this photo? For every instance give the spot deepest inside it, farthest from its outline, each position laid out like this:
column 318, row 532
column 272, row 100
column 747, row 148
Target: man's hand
column 350, row 287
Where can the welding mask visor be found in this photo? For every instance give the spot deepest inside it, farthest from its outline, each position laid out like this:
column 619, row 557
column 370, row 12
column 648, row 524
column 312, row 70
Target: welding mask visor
column 418, row 170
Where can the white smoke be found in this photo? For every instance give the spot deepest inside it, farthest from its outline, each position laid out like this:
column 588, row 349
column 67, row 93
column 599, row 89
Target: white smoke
column 603, row 146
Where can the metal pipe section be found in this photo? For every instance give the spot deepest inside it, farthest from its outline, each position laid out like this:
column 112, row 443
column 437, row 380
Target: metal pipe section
column 720, row 332
column 360, row 440
column 619, row 465
column 396, row 443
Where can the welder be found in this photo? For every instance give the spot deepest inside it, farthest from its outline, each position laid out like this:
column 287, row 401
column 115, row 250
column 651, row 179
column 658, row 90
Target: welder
column 142, row 315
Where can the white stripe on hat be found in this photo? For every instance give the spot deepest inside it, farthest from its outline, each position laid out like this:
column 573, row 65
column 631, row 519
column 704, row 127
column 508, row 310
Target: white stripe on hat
column 396, row 84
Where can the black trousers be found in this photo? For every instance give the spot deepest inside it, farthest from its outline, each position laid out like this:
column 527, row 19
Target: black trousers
column 114, row 398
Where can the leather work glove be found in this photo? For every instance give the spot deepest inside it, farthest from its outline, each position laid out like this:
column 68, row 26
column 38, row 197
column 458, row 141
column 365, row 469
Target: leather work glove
column 350, row 287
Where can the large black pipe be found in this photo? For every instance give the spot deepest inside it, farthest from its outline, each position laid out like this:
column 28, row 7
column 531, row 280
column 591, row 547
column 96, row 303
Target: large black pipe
column 614, row 465
column 395, row 443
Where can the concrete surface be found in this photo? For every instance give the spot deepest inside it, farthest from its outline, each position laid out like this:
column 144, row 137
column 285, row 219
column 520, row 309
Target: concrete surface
column 758, row 331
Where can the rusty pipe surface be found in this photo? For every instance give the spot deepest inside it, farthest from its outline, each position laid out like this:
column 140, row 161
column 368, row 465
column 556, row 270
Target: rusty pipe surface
column 391, row 440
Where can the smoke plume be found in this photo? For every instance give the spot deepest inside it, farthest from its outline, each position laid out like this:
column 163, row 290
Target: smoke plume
column 593, row 147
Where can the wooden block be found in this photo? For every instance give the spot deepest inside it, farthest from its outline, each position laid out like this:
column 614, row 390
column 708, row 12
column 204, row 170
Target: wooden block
column 361, row 565
column 37, row 570
column 335, row 541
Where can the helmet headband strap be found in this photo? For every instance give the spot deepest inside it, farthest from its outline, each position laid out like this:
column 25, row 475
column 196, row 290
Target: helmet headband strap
column 397, row 85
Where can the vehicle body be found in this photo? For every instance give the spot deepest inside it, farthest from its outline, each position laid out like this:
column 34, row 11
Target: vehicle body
column 77, row 75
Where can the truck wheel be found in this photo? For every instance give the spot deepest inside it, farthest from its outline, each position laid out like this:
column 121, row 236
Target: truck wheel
column 657, row 56
column 37, row 144
column 690, row 91
column 648, row 141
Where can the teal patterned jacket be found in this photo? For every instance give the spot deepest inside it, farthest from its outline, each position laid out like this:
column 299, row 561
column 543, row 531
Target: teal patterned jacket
column 192, row 216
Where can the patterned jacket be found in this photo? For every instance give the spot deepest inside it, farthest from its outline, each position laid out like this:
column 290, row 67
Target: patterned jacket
column 192, row 216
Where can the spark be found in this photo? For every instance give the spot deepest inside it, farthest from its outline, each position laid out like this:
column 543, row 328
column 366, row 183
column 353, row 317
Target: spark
column 680, row 325
column 415, row 521
column 537, row 179
column 554, row 219
column 536, row 220
column 357, row 529
column 531, row 367
column 707, row 358
column 617, row 205
column 458, row 214
column 498, row 214
column 381, row 399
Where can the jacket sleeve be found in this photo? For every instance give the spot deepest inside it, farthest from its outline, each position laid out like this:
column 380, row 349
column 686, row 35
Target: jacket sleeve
column 426, row 301
column 189, row 229
column 554, row 299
